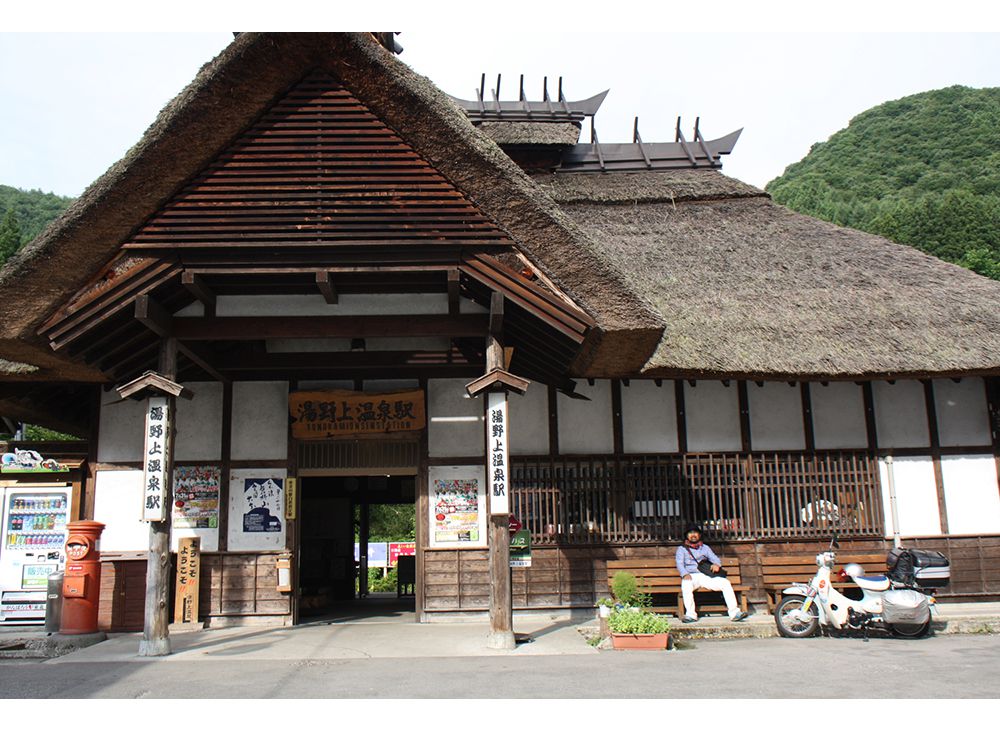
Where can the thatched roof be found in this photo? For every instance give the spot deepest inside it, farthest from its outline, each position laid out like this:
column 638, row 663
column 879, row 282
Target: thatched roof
column 223, row 100
column 752, row 289
column 532, row 133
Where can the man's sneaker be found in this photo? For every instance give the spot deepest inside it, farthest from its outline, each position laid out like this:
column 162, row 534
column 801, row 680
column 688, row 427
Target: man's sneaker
column 739, row 617
column 688, row 619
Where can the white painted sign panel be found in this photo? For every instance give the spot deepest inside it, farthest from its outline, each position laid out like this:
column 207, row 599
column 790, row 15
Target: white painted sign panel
column 155, row 459
column 497, row 461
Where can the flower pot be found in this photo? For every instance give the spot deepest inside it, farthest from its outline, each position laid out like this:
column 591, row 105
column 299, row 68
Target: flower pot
column 640, row 641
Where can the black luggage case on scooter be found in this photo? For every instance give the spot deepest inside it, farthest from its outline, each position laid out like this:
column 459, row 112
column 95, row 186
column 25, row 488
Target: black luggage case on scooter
column 921, row 567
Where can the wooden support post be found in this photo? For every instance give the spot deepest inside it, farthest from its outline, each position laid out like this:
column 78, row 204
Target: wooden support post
column 501, row 635
column 363, row 530
column 155, row 634
column 932, row 431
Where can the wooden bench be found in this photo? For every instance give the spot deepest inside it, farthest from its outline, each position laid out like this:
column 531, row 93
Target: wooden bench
column 659, row 577
column 781, row 570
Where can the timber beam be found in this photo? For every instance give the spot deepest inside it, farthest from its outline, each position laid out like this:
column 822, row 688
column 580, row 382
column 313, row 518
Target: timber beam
column 335, row 326
column 325, row 285
column 195, row 284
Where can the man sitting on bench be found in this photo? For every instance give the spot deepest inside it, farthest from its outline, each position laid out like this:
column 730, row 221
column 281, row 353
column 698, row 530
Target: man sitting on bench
column 689, row 555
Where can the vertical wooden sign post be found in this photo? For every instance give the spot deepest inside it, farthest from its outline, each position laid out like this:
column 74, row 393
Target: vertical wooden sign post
column 496, row 383
column 497, row 479
column 188, row 579
column 158, row 436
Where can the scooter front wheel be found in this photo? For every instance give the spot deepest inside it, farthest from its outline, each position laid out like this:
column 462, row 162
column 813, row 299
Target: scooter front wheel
column 791, row 621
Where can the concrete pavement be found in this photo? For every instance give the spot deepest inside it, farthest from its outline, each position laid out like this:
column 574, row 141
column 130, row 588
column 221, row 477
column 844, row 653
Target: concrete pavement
column 397, row 636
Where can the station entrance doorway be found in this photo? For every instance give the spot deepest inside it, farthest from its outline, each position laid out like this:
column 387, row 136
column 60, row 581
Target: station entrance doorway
column 350, row 517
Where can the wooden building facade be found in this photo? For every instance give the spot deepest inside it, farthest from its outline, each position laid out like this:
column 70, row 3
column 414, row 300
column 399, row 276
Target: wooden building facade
column 319, row 231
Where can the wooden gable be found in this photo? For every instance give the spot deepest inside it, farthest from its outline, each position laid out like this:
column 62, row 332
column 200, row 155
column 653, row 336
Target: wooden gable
column 316, row 195
column 317, row 168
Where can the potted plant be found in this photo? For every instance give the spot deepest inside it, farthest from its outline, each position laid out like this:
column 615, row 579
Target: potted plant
column 604, row 606
column 636, row 628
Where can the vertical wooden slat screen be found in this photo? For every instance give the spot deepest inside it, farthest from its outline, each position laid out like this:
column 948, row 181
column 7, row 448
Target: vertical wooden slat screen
column 648, row 499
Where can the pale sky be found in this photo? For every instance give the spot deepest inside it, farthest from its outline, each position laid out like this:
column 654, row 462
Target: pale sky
column 73, row 103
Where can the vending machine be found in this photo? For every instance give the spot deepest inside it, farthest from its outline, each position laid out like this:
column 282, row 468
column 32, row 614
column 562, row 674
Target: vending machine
column 32, row 546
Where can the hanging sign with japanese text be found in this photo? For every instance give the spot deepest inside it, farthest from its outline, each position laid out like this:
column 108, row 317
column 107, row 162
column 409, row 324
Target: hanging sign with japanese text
column 320, row 415
column 497, row 464
column 155, row 459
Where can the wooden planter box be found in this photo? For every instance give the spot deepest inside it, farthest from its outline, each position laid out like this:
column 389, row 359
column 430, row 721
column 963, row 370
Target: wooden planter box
column 640, row 641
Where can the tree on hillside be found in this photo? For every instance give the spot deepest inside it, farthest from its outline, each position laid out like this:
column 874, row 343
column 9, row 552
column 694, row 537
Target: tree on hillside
column 10, row 236
column 923, row 170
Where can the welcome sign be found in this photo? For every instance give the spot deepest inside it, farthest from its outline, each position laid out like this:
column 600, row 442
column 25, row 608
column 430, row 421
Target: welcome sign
column 320, row 415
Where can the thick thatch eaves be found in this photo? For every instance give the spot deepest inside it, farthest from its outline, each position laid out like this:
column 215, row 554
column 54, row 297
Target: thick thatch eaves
column 560, row 134
column 222, row 101
column 752, row 289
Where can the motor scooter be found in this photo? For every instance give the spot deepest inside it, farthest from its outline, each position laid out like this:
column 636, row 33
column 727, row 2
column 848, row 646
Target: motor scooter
column 903, row 610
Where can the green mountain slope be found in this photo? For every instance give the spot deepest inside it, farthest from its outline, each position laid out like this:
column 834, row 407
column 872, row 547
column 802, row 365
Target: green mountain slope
column 23, row 215
column 923, row 170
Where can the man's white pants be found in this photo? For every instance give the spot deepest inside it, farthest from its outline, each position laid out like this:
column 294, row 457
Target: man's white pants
column 717, row 584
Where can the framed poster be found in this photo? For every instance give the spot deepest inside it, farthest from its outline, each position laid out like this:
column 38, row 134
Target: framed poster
column 457, row 506
column 257, row 509
column 195, row 511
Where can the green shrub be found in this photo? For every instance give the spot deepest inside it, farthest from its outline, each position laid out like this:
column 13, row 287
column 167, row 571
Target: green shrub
column 626, row 590
column 630, row 620
column 624, row 587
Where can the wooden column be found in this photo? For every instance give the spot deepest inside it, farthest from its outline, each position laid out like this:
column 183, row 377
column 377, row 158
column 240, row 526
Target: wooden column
column 993, row 409
column 807, row 417
column 682, row 434
column 155, row 633
column 932, row 431
column 501, row 635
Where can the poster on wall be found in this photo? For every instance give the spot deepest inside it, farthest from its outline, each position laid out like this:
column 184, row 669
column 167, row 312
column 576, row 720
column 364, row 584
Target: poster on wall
column 457, row 506
column 195, row 510
column 257, row 509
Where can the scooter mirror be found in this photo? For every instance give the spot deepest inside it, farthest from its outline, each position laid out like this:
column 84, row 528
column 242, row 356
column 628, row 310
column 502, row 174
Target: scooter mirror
column 834, row 544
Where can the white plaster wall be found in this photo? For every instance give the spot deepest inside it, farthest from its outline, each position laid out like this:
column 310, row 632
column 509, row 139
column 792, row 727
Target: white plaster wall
column 971, row 494
column 118, row 505
column 341, row 345
column 838, row 413
column 916, row 496
column 585, row 428
column 400, row 303
column 712, row 414
column 260, row 420
column 901, row 414
column 649, row 416
column 775, row 416
column 962, row 413
column 122, row 427
column 199, row 423
column 454, row 420
column 529, row 421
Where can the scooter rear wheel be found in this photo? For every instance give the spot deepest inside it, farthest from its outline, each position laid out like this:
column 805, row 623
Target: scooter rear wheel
column 909, row 631
column 790, row 626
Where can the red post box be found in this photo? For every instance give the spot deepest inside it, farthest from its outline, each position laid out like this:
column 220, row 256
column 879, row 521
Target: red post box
column 82, row 580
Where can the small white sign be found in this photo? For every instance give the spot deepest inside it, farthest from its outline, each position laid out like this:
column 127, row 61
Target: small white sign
column 497, row 463
column 155, row 459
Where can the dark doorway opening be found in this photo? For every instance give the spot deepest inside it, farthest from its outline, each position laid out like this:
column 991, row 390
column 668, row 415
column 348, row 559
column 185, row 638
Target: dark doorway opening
column 341, row 516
